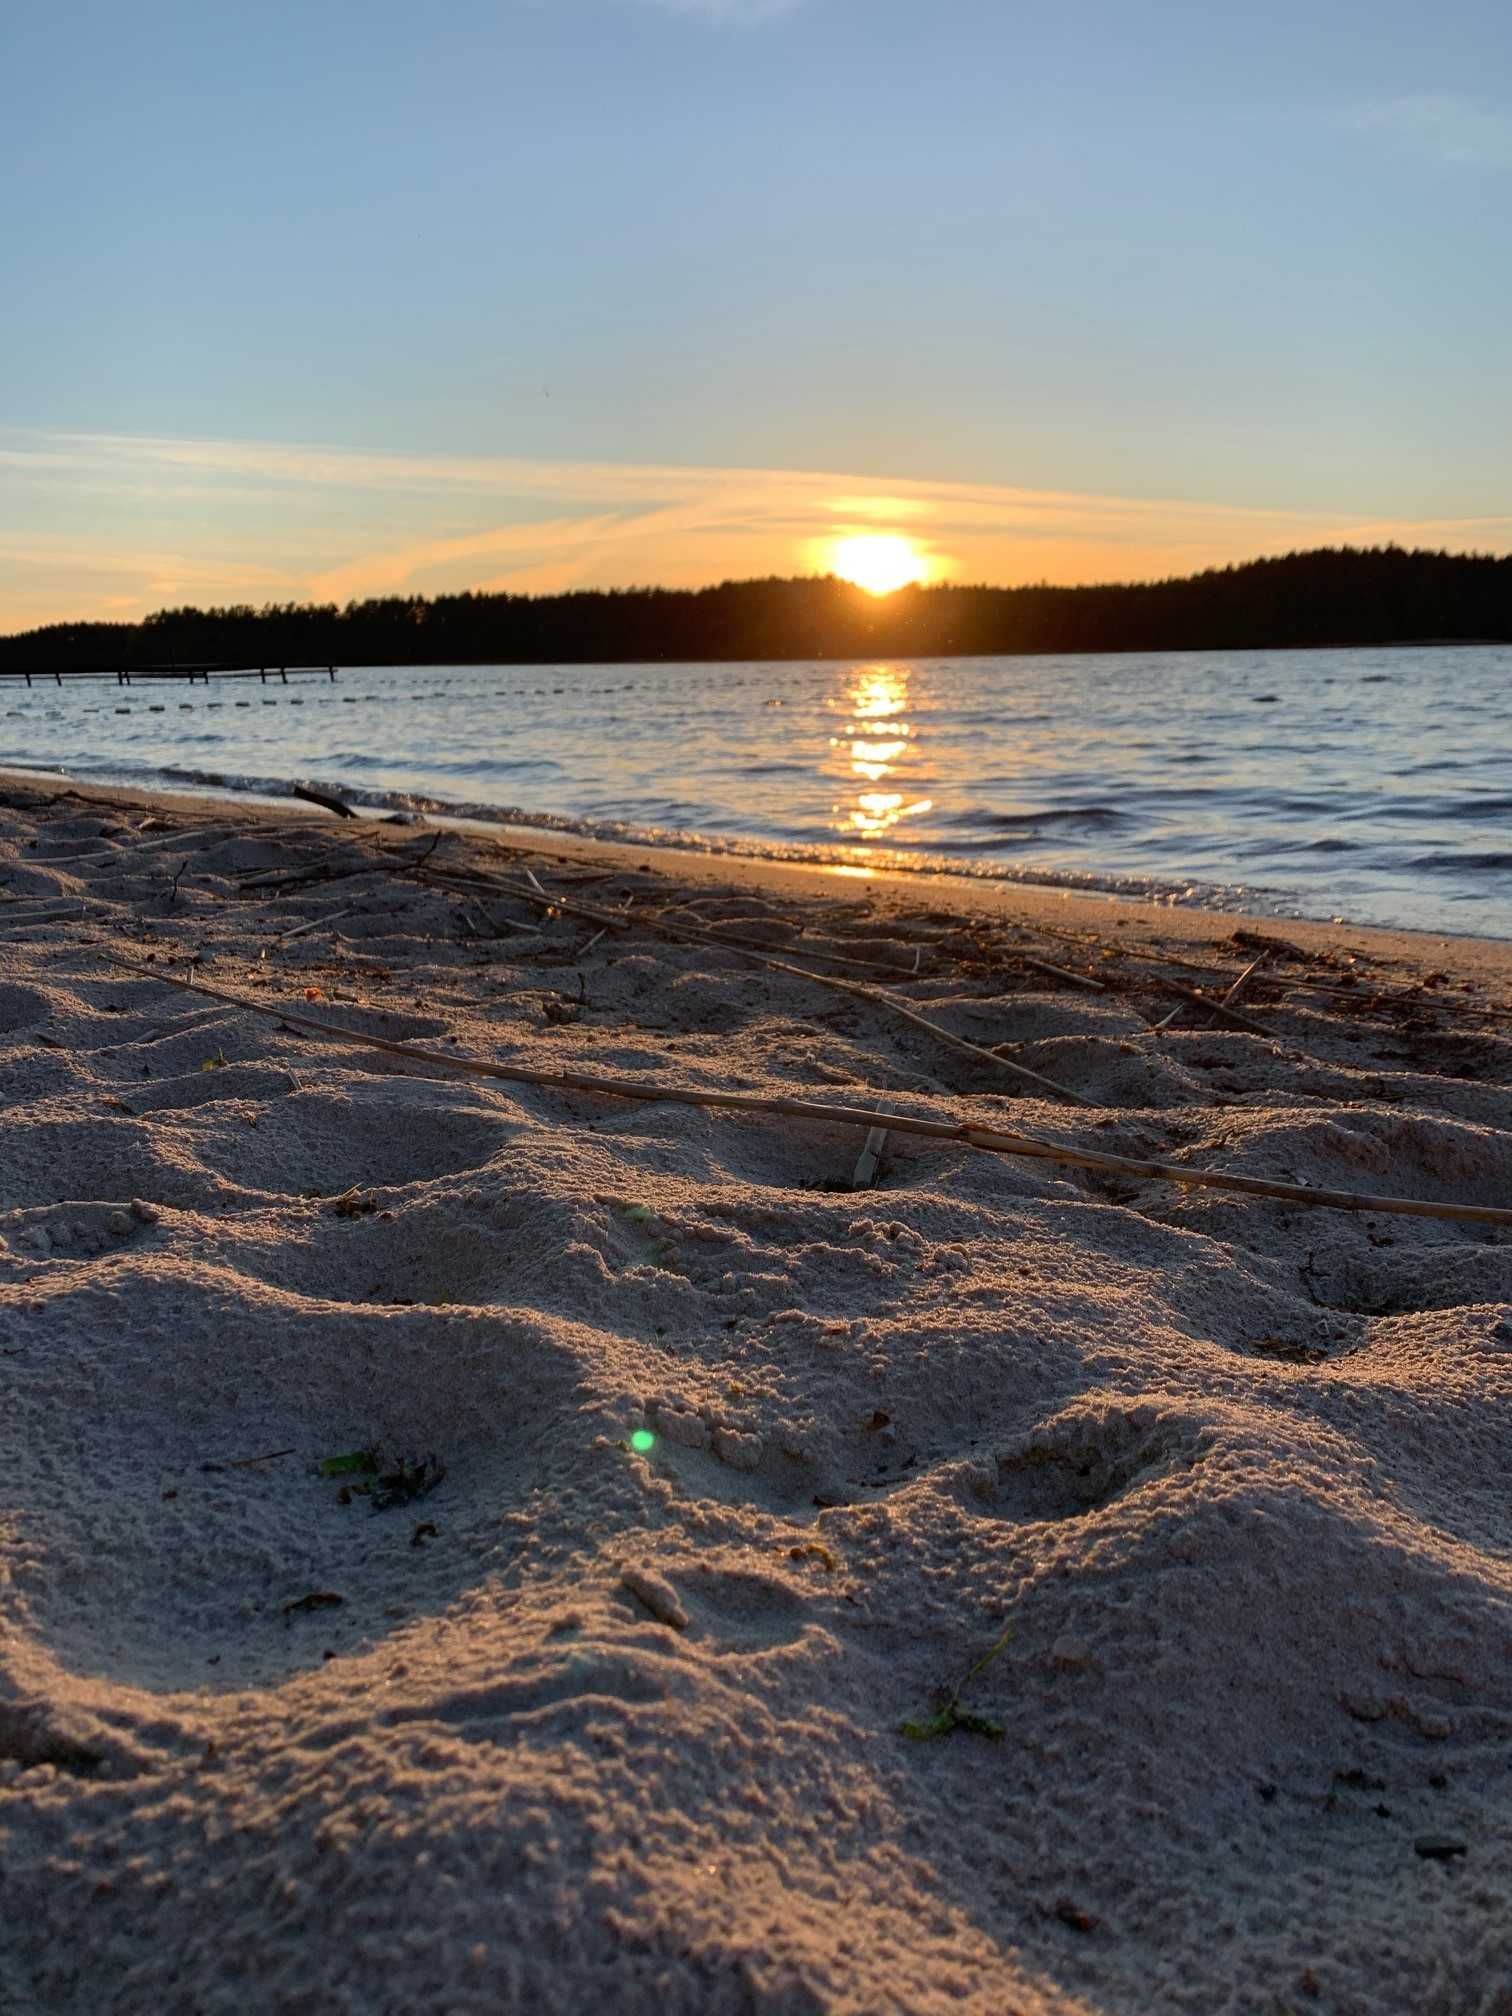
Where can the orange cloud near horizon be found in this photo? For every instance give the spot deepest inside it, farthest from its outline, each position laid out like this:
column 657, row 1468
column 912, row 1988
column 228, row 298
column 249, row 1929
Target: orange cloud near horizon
column 118, row 526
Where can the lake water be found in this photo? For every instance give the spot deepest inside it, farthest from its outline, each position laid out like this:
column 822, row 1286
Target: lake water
column 1370, row 785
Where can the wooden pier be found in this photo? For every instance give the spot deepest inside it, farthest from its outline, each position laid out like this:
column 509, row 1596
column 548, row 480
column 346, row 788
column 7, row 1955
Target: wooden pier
column 135, row 675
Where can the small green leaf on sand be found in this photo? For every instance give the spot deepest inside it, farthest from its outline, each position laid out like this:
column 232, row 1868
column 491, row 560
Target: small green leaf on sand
column 360, row 1463
column 952, row 1715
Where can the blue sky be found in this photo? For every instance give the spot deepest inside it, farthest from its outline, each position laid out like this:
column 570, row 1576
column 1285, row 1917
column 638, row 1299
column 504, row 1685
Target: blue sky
column 563, row 290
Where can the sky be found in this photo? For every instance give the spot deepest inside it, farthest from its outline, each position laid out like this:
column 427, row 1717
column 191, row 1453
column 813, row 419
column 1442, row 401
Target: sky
column 350, row 297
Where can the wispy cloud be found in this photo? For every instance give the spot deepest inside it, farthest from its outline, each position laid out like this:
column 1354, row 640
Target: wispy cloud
column 48, row 576
column 297, row 466
column 728, row 13
column 112, row 524
column 1440, row 125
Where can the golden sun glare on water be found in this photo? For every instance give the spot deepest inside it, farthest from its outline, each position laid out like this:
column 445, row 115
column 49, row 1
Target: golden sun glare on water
column 874, row 748
column 879, row 562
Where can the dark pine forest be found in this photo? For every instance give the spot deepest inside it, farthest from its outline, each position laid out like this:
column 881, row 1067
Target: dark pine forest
column 1335, row 596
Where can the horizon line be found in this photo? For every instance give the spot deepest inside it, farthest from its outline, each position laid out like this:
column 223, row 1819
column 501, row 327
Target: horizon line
column 862, row 595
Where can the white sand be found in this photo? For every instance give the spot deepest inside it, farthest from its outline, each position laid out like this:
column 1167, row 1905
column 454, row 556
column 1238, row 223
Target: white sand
column 622, row 1732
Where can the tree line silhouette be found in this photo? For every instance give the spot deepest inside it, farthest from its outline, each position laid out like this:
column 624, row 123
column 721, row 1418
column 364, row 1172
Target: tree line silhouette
column 1332, row 596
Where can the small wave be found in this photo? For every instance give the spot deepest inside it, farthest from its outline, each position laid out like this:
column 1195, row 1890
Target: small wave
column 1461, row 864
column 1425, row 810
column 1064, row 819
column 482, row 770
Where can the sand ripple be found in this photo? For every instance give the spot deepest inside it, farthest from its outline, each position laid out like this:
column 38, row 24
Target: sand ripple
column 742, row 1468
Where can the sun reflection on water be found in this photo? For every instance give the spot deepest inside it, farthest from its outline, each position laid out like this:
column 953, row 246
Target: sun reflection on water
column 872, row 749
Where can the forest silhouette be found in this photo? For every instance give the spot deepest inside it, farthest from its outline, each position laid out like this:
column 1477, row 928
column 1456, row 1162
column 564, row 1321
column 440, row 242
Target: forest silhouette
column 1331, row 596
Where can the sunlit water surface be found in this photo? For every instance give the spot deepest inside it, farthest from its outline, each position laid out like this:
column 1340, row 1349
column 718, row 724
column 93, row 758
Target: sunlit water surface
column 1370, row 785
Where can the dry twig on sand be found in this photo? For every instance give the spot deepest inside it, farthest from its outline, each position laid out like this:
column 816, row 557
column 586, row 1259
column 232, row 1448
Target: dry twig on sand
column 1063, row 973
column 865, row 1173
column 1219, row 1009
column 331, row 803
column 315, row 924
column 1166, row 1021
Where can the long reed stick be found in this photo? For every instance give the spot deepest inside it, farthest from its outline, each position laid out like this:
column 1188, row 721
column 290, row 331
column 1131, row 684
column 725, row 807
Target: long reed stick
column 887, row 999
column 990, row 1140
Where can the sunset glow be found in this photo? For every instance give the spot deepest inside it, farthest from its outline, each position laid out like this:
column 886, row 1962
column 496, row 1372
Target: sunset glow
column 879, row 562
column 339, row 524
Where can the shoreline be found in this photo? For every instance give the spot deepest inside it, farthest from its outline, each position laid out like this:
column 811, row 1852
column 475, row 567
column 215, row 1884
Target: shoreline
column 1148, row 804
column 475, row 1542
column 1051, row 903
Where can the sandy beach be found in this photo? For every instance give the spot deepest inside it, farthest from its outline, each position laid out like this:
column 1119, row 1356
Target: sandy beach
column 470, row 1544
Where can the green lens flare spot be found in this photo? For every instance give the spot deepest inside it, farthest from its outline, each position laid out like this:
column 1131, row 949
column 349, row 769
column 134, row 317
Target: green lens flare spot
column 643, row 1441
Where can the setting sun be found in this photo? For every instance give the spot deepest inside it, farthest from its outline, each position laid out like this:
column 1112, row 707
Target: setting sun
column 879, row 562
